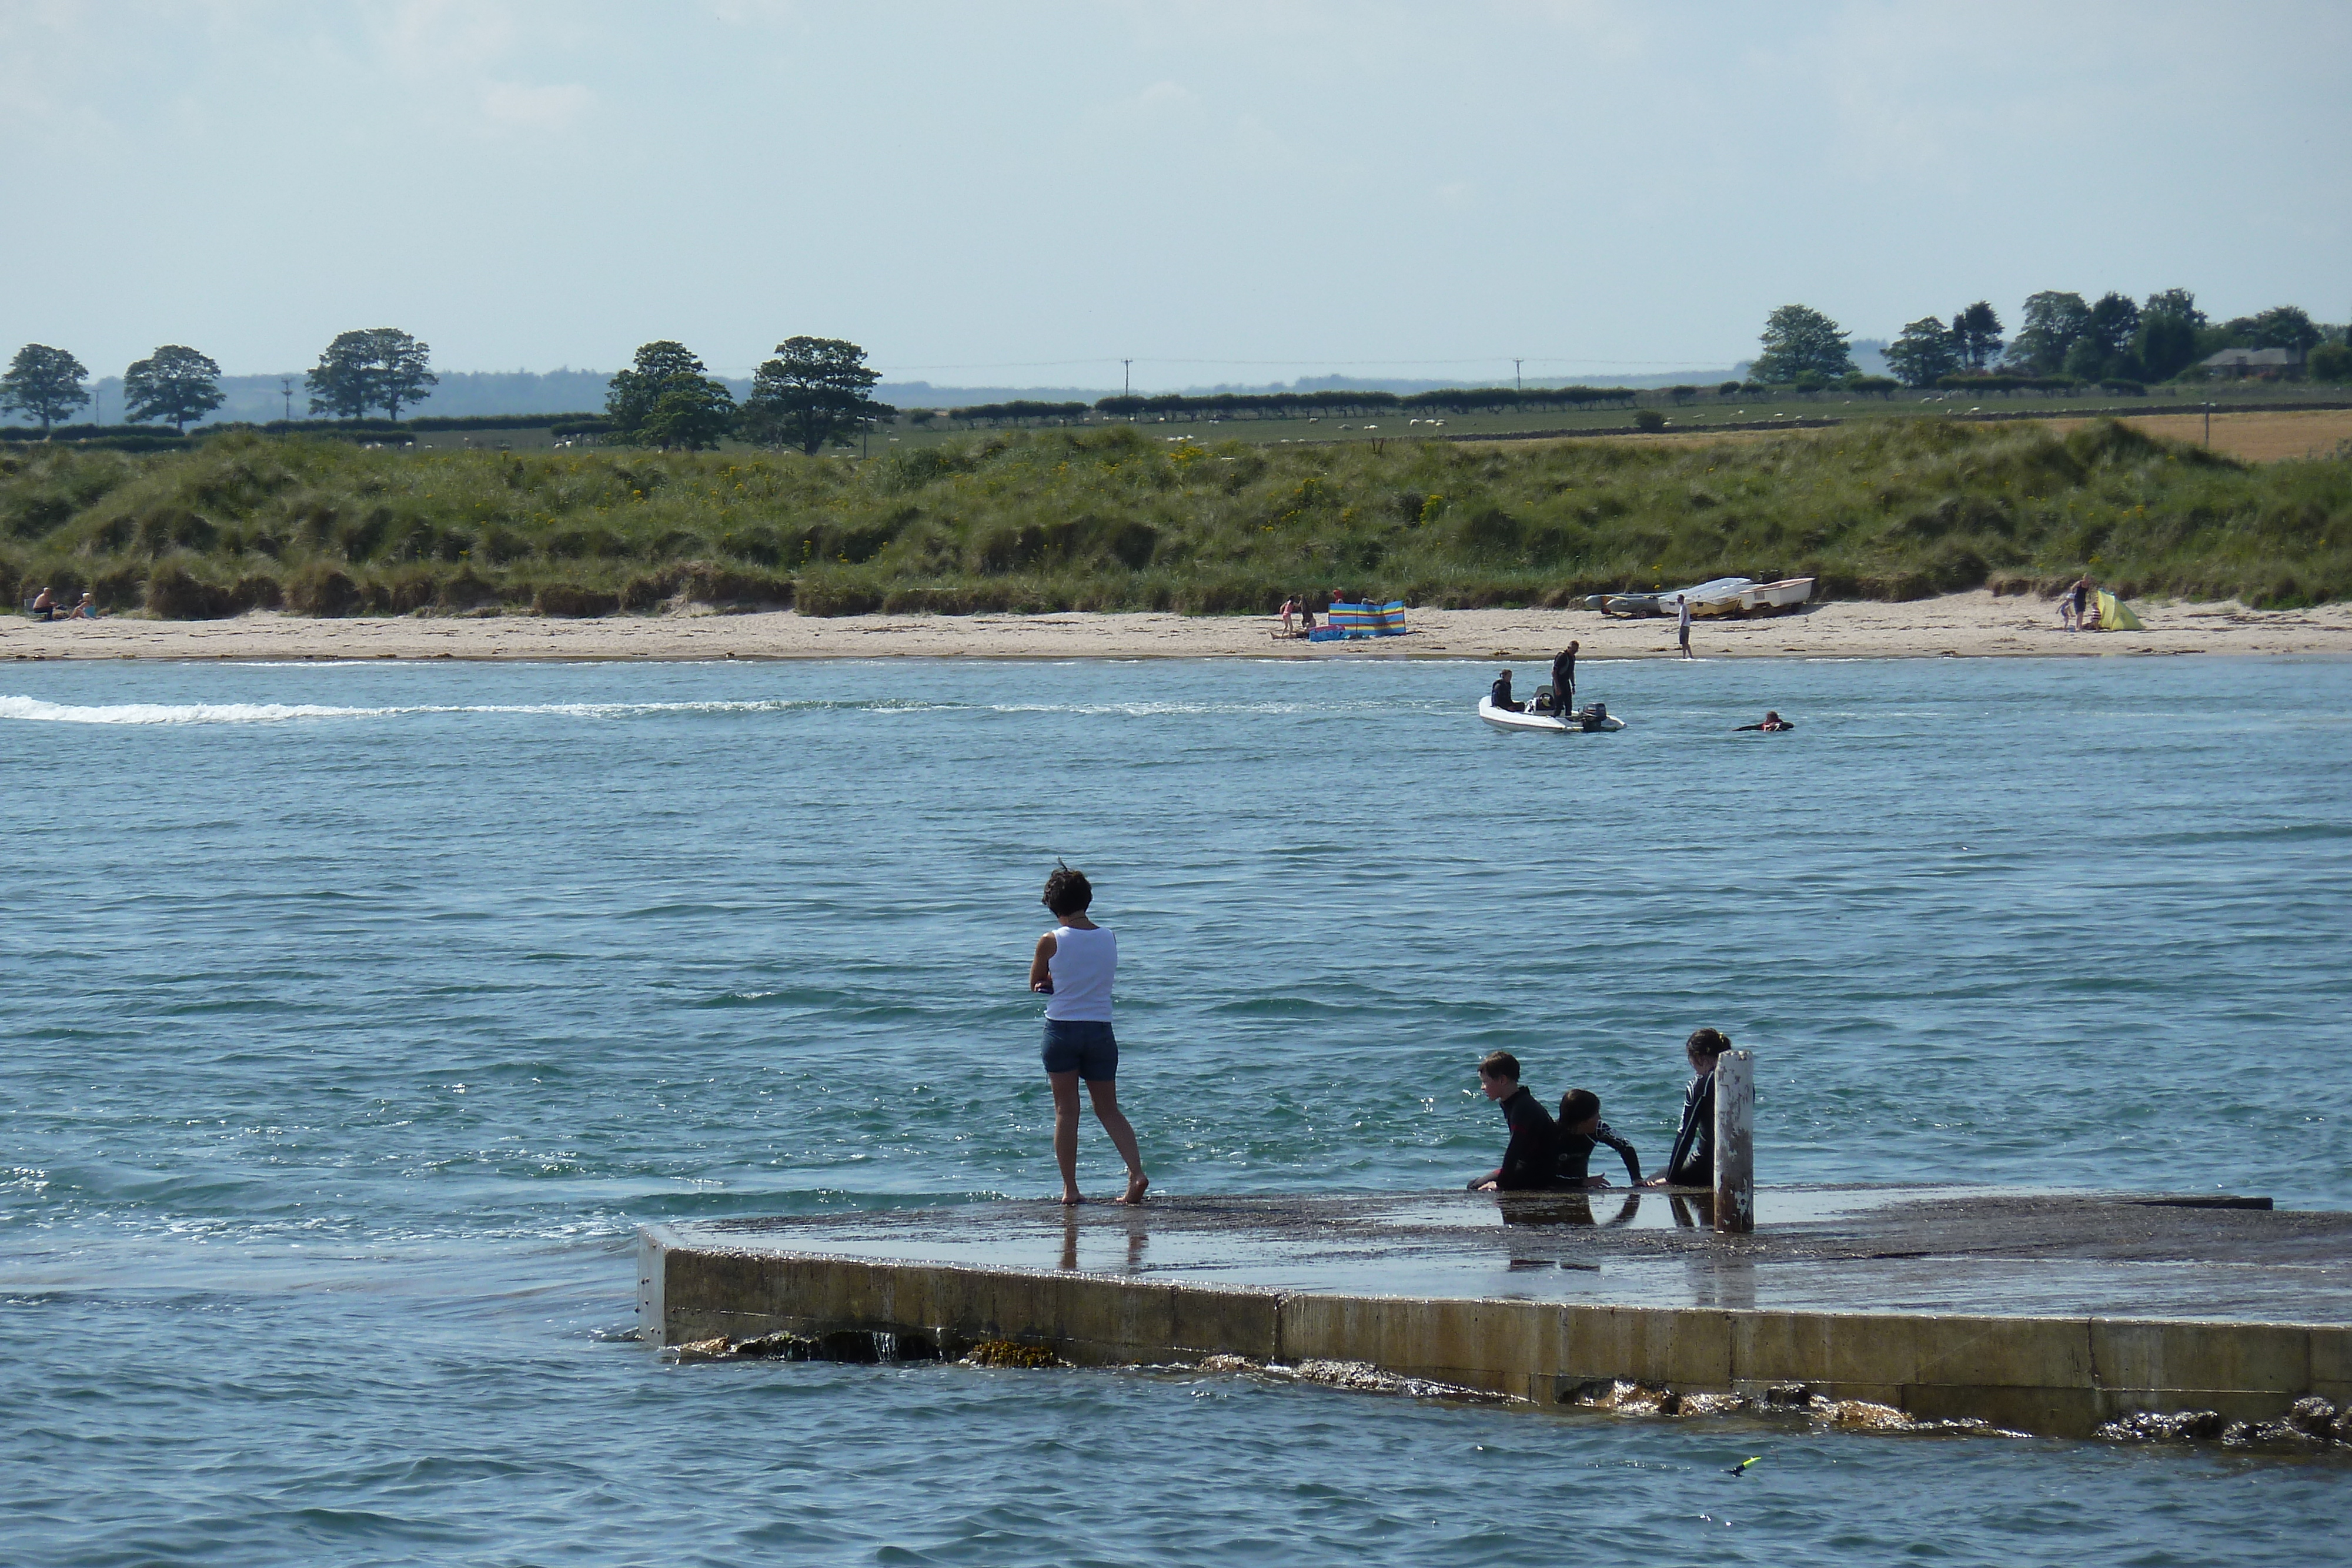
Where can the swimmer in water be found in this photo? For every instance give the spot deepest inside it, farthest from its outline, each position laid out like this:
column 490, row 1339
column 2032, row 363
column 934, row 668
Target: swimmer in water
column 1773, row 724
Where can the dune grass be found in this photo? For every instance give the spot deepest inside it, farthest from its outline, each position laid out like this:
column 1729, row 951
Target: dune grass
column 1116, row 518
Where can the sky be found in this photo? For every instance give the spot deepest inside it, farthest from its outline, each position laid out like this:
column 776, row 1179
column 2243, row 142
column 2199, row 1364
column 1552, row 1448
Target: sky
column 1028, row 194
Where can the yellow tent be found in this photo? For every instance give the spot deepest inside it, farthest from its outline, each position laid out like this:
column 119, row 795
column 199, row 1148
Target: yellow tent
column 2115, row 615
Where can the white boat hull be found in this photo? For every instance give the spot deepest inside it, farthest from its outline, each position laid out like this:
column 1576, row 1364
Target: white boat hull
column 1785, row 594
column 1502, row 718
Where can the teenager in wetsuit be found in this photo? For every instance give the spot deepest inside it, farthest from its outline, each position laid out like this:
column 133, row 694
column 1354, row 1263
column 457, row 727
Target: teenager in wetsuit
column 1534, row 1148
column 1693, row 1161
column 1563, row 681
column 1500, row 694
column 1581, row 1131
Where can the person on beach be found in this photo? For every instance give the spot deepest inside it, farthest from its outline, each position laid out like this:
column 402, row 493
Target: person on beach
column 1772, row 723
column 1563, row 680
column 85, row 609
column 1534, row 1149
column 1682, row 623
column 1692, row 1164
column 2081, row 596
column 1581, row 1131
column 1075, row 964
column 44, row 608
column 1499, row 694
column 1289, row 612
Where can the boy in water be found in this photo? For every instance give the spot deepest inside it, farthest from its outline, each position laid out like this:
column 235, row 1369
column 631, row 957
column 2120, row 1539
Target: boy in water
column 1074, row 965
column 1534, row 1148
column 1693, row 1161
column 1581, row 1131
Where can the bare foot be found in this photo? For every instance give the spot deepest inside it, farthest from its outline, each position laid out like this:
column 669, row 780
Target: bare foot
column 1068, row 1198
column 1135, row 1186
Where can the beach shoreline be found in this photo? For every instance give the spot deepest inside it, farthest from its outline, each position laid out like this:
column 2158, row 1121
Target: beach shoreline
column 1976, row 624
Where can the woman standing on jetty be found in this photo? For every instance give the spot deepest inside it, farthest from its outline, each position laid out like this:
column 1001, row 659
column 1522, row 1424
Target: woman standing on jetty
column 1075, row 964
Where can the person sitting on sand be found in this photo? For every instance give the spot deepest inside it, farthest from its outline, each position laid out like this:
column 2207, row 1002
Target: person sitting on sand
column 1500, row 695
column 1772, row 725
column 86, row 609
column 43, row 607
column 1534, row 1149
column 1581, row 1131
column 1074, row 965
column 1692, row 1164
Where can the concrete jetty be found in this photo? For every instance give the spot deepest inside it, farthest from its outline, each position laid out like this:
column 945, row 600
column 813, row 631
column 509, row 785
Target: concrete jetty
column 2048, row 1312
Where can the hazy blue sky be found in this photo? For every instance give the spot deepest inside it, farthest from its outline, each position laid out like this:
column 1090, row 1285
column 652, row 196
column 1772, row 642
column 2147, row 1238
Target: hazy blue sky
column 1024, row 193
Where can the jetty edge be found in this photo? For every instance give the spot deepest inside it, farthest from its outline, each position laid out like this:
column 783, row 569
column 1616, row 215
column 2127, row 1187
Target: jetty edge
column 2027, row 1312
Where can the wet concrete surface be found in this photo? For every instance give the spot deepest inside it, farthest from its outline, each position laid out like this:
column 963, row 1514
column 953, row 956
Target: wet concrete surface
column 1823, row 1249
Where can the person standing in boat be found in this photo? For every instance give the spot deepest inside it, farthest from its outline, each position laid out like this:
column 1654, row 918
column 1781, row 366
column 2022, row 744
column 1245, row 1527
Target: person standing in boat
column 1563, row 680
column 1074, row 965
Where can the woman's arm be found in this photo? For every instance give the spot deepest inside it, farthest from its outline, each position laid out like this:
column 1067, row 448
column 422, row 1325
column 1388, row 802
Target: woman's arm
column 1632, row 1160
column 1041, row 978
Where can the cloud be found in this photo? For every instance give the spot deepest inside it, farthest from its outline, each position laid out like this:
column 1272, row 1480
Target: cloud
column 528, row 108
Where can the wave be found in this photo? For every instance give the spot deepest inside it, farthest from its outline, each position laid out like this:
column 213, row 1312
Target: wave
column 34, row 710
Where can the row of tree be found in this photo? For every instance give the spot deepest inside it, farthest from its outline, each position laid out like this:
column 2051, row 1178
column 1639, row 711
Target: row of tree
column 2110, row 339
column 379, row 367
column 816, row 391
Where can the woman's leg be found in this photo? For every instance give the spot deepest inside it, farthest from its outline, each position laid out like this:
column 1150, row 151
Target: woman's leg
column 1065, row 1131
column 1103, row 1092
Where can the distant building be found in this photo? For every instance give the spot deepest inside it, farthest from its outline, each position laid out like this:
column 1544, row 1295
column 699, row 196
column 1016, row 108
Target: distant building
column 2255, row 361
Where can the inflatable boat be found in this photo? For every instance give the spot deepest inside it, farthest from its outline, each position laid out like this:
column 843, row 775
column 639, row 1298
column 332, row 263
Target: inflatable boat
column 1594, row 718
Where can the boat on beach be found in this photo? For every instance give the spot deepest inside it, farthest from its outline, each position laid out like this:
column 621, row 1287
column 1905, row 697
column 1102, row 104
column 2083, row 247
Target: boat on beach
column 1716, row 596
column 1595, row 719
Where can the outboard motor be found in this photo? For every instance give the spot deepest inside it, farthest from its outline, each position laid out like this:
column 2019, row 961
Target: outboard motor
column 1593, row 716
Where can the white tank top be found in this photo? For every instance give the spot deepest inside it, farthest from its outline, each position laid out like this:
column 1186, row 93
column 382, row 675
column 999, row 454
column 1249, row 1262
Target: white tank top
column 1082, row 967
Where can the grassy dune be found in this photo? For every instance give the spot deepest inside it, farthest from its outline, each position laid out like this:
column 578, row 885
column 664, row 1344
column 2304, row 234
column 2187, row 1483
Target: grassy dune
column 1115, row 518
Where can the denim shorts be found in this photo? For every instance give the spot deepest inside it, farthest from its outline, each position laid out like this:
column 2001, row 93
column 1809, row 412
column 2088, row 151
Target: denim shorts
column 1084, row 1046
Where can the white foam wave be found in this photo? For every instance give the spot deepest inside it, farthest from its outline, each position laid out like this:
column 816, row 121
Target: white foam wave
column 34, row 710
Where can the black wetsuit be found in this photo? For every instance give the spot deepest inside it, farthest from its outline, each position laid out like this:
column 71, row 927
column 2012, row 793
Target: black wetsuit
column 1534, row 1150
column 1693, row 1161
column 1501, row 695
column 1576, row 1154
column 1564, row 685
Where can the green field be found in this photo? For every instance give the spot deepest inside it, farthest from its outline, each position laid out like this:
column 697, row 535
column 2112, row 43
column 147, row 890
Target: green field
column 1121, row 517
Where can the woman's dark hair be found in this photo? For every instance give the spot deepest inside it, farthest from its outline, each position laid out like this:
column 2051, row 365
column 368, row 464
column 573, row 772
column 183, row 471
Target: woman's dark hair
column 1707, row 1042
column 1500, row 1064
column 1577, row 1105
column 1067, row 892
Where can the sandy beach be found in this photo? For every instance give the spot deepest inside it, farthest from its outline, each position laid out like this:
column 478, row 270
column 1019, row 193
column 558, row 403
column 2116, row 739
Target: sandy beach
column 1964, row 625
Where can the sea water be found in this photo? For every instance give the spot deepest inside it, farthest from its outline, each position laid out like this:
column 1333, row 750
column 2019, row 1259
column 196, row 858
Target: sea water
column 361, row 1011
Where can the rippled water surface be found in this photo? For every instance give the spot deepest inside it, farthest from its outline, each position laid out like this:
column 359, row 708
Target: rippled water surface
column 360, row 1012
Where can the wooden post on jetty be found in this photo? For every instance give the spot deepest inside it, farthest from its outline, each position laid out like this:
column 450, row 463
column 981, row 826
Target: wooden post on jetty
column 1735, row 1140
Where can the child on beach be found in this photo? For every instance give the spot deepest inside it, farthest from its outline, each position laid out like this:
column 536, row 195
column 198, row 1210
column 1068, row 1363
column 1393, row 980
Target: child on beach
column 1534, row 1148
column 1693, row 1161
column 1074, row 965
column 1582, row 1129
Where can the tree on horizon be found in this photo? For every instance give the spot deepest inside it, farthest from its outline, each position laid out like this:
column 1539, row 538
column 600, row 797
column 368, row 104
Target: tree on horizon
column 361, row 370
column 1925, row 353
column 815, row 391
column 174, row 383
column 44, row 383
column 1799, row 340
column 1976, row 335
column 668, row 398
